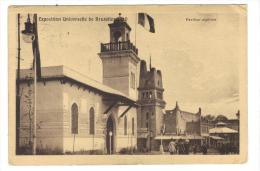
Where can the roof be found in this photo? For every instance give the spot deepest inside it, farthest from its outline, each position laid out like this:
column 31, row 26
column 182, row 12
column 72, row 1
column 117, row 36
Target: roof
column 222, row 130
column 56, row 72
column 119, row 21
column 191, row 116
column 221, row 123
column 187, row 116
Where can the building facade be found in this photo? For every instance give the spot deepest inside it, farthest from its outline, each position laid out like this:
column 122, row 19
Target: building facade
column 151, row 106
column 77, row 114
column 180, row 124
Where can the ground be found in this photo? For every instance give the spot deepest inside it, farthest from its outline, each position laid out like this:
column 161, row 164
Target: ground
column 211, row 151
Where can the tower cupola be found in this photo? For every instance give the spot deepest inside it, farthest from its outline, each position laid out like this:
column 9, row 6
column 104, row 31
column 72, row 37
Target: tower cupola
column 119, row 30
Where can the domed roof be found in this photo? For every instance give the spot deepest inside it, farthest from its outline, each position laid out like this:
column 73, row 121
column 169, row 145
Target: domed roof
column 119, row 22
column 119, row 19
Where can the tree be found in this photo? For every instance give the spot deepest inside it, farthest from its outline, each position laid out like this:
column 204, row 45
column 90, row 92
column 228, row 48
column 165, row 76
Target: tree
column 221, row 118
column 209, row 117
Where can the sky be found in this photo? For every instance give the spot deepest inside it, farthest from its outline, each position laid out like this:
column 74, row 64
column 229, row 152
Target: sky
column 200, row 61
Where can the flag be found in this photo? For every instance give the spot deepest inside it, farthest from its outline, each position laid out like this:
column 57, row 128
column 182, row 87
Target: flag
column 146, row 21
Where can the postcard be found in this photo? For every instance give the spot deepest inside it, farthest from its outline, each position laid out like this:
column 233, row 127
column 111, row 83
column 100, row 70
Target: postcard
column 139, row 84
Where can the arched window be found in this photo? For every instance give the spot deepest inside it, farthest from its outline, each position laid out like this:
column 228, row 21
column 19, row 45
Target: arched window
column 91, row 121
column 143, row 95
column 125, row 125
column 74, row 118
column 117, row 36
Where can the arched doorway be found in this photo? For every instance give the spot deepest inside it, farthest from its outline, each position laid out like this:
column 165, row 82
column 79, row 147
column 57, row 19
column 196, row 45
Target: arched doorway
column 91, row 121
column 74, row 118
column 110, row 135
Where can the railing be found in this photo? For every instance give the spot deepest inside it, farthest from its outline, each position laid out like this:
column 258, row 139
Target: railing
column 118, row 46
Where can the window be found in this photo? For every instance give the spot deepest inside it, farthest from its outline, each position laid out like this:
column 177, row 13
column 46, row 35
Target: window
column 117, row 36
column 150, row 95
column 125, row 125
column 147, row 120
column 132, row 81
column 133, row 126
column 91, row 121
column 159, row 95
column 74, row 119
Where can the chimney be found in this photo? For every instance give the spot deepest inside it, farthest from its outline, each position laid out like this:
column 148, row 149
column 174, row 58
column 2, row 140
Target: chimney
column 177, row 106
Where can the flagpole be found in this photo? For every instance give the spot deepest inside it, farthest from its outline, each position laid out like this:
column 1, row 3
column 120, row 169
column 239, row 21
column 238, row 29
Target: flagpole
column 18, row 98
column 136, row 15
column 150, row 61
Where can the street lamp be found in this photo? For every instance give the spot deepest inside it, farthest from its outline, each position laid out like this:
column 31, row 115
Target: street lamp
column 30, row 35
column 110, row 142
column 162, row 133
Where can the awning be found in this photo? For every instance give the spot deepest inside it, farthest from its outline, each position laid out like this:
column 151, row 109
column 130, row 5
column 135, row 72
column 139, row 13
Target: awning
column 216, row 138
column 177, row 137
column 193, row 137
column 168, row 137
column 205, row 135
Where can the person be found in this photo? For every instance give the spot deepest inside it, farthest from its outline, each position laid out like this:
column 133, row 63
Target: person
column 181, row 148
column 204, row 148
column 172, row 147
column 221, row 148
column 194, row 148
column 186, row 146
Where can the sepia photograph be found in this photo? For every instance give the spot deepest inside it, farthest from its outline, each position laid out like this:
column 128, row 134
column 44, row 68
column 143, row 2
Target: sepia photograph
column 139, row 84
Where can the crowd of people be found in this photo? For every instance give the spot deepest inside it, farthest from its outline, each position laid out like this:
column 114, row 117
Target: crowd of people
column 227, row 148
column 182, row 146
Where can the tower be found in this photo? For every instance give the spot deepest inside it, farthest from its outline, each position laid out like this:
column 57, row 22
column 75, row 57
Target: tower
column 120, row 58
column 150, row 99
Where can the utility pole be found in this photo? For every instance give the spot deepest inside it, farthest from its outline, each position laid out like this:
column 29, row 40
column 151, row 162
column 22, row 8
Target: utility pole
column 18, row 98
column 35, row 84
column 31, row 36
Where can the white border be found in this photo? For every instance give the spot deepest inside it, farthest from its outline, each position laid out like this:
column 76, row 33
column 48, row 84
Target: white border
column 253, row 163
